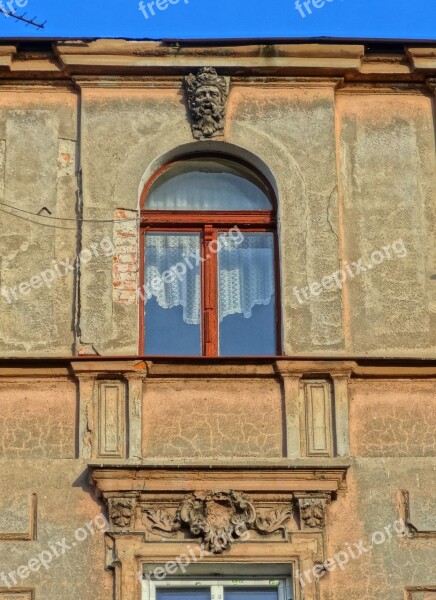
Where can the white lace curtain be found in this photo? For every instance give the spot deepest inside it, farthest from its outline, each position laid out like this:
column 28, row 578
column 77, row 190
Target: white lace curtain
column 163, row 253
column 246, row 273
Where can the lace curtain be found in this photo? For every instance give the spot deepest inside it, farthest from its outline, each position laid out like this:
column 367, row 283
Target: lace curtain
column 246, row 273
column 164, row 252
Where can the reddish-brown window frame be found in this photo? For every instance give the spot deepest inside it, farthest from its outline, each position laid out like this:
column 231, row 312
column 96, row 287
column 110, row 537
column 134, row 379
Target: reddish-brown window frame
column 208, row 224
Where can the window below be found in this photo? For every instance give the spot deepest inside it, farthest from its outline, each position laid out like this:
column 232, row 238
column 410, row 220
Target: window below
column 210, row 269
column 219, row 589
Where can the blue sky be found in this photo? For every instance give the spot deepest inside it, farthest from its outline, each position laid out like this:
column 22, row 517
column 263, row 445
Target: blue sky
column 221, row 19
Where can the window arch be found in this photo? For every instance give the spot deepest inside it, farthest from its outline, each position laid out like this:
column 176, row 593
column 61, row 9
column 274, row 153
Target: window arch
column 209, row 281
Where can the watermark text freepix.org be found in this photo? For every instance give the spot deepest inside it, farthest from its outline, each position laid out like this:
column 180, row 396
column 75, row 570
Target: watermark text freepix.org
column 308, row 4
column 148, row 9
column 7, row 7
column 58, row 269
column 181, row 563
column 338, row 278
column 190, row 261
column 55, row 550
column 352, row 551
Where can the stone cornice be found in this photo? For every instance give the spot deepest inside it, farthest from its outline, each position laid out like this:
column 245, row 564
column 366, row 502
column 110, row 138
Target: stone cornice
column 6, row 54
column 258, row 479
column 122, row 58
column 423, row 59
column 242, row 368
column 120, row 54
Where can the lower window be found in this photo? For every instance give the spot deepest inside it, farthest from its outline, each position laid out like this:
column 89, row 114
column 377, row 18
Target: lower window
column 219, row 589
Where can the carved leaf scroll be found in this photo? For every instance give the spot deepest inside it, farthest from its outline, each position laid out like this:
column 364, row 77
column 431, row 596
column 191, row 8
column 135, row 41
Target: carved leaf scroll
column 160, row 521
column 273, row 520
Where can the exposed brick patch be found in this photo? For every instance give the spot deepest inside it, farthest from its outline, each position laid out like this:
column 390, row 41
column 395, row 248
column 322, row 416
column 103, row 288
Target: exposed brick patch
column 125, row 260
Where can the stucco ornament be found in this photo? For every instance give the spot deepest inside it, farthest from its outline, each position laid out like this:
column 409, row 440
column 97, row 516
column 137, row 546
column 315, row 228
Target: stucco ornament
column 218, row 517
column 274, row 520
column 160, row 521
column 121, row 512
column 207, row 97
column 313, row 511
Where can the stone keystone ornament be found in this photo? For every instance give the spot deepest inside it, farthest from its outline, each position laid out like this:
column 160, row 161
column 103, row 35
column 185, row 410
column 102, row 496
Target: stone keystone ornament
column 207, row 97
column 216, row 516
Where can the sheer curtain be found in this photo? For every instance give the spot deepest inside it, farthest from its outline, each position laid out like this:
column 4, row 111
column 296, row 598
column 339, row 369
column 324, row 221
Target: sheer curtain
column 177, row 252
column 246, row 273
column 207, row 185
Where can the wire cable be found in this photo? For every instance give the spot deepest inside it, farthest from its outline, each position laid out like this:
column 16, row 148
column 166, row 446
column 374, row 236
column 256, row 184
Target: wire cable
column 76, row 220
column 52, row 225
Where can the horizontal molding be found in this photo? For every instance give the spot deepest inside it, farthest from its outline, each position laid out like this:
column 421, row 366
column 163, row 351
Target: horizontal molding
column 65, row 369
column 278, row 480
column 423, row 59
column 122, row 57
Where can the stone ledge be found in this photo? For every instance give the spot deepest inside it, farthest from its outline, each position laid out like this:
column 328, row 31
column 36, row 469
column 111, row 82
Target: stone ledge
column 115, row 478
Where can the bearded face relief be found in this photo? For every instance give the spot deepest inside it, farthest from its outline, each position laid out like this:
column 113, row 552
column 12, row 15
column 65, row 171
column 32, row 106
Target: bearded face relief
column 207, row 95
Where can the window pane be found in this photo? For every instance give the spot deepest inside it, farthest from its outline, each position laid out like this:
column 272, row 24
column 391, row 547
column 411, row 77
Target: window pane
column 246, row 290
column 172, row 294
column 252, row 593
column 182, row 594
column 208, row 184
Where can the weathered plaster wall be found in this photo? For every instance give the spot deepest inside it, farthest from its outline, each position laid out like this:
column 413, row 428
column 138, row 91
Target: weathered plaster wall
column 65, row 503
column 38, row 136
column 37, row 419
column 390, row 419
column 38, row 457
column 387, row 182
column 215, row 419
column 393, row 432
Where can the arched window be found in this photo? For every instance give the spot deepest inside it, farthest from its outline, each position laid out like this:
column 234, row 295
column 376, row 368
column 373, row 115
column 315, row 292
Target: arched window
column 209, row 282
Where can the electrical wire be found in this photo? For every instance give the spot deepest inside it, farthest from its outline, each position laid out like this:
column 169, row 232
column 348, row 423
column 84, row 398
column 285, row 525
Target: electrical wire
column 52, row 225
column 66, row 218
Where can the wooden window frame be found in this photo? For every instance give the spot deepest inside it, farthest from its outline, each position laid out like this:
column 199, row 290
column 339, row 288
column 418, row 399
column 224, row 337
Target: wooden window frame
column 216, row 586
column 208, row 224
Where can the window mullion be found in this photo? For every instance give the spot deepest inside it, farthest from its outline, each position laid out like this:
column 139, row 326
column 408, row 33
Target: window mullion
column 210, row 293
column 217, row 592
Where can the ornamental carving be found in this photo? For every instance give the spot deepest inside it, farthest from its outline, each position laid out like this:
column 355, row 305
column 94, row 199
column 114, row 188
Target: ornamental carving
column 273, row 520
column 160, row 521
column 313, row 511
column 121, row 511
column 207, row 97
column 219, row 518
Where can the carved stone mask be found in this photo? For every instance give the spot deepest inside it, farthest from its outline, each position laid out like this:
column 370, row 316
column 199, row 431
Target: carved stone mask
column 207, row 95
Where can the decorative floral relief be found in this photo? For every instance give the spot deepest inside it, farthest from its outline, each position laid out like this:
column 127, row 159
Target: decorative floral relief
column 160, row 521
column 313, row 511
column 217, row 517
column 121, row 512
column 273, row 520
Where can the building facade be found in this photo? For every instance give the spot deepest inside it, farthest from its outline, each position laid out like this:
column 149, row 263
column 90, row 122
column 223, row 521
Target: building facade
column 217, row 321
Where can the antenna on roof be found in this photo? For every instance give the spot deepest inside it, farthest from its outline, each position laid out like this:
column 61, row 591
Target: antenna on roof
column 23, row 18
